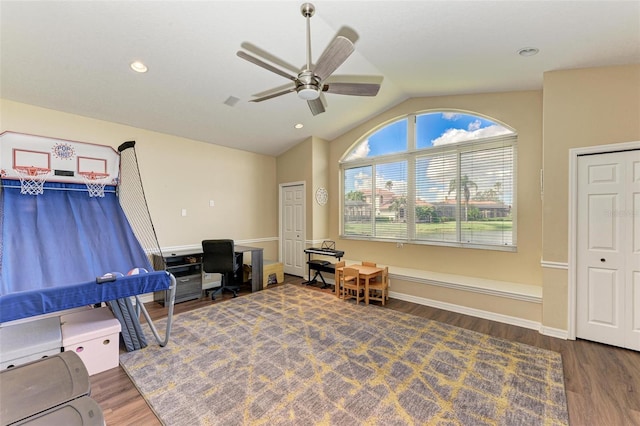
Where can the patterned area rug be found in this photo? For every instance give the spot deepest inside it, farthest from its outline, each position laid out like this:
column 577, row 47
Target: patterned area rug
column 293, row 356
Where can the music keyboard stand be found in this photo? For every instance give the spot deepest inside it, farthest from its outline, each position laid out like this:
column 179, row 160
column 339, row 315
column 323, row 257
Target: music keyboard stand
column 328, row 248
column 319, row 266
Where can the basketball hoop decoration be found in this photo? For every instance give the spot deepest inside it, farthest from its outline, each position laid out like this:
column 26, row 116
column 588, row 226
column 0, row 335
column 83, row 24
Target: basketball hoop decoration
column 95, row 183
column 32, row 179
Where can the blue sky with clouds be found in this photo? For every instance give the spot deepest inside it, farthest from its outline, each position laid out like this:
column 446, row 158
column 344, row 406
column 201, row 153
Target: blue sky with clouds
column 432, row 130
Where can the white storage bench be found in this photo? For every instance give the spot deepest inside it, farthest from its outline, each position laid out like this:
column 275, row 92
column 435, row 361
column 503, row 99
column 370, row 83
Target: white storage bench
column 29, row 341
column 94, row 335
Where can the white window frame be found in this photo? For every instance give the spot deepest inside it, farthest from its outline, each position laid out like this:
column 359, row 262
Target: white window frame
column 410, row 157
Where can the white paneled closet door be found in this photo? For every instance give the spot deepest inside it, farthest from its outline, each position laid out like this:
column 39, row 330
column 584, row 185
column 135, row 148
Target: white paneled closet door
column 608, row 249
column 293, row 229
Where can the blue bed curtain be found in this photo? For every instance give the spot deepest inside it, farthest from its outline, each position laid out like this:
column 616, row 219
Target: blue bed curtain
column 63, row 237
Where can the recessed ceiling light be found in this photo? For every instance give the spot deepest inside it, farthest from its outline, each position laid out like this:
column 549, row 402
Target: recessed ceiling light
column 138, row 66
column 528, row 51
column 299, row 126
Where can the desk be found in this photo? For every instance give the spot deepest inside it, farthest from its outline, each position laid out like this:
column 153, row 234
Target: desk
column 364, row 273
column 188, row 273
column 256, row 265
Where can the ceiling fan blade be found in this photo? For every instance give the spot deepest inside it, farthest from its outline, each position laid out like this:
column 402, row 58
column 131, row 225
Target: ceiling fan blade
column 272, row 90
column 274, row 95
column 354, row 89
column 264, row 65
column 269, row 57
column 316, row 106
column 334, row 55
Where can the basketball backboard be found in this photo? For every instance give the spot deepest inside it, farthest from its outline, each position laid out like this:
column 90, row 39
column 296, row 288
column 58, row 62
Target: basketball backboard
column 65, row 159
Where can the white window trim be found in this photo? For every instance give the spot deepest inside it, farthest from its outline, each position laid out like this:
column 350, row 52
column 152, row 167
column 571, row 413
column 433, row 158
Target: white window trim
column 410, row 156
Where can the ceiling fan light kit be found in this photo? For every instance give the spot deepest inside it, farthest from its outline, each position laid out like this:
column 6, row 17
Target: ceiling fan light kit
column 308, row 86
column 308, row 93
column 309, row 83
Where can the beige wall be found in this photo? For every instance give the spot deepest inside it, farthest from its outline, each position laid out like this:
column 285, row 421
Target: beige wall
column 296, row 164
column 178, row 173
column 522, row 310
column 583, row 107
column 320, row 179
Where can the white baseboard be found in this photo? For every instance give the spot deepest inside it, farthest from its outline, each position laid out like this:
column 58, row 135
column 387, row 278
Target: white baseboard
column 555, row 332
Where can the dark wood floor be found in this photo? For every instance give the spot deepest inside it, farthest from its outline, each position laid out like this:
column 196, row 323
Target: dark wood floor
column 602, row 382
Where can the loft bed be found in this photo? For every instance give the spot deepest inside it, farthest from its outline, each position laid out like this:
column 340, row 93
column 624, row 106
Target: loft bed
column 67, row 234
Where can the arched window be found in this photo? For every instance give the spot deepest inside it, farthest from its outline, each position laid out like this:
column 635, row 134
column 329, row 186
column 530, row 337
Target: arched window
column 444, row 178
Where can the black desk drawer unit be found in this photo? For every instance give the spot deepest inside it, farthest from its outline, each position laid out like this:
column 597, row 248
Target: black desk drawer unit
column 187, row 268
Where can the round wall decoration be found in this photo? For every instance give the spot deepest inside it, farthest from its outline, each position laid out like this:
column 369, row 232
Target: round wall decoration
column 322, row 196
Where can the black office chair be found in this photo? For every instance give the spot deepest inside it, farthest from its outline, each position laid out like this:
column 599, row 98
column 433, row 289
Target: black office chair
column 219, row 256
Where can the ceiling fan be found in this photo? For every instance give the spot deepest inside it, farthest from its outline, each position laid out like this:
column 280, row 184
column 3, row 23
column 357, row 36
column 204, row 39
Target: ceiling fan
column 310, row 83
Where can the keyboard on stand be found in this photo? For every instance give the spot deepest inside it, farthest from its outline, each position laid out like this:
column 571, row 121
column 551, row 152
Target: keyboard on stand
column 320, row 266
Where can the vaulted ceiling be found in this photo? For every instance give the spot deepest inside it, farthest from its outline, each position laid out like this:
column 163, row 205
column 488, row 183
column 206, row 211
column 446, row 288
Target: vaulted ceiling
column 74, row 56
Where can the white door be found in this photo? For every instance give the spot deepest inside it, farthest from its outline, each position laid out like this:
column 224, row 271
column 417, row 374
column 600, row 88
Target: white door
column 293, row 229
column 608, row 249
